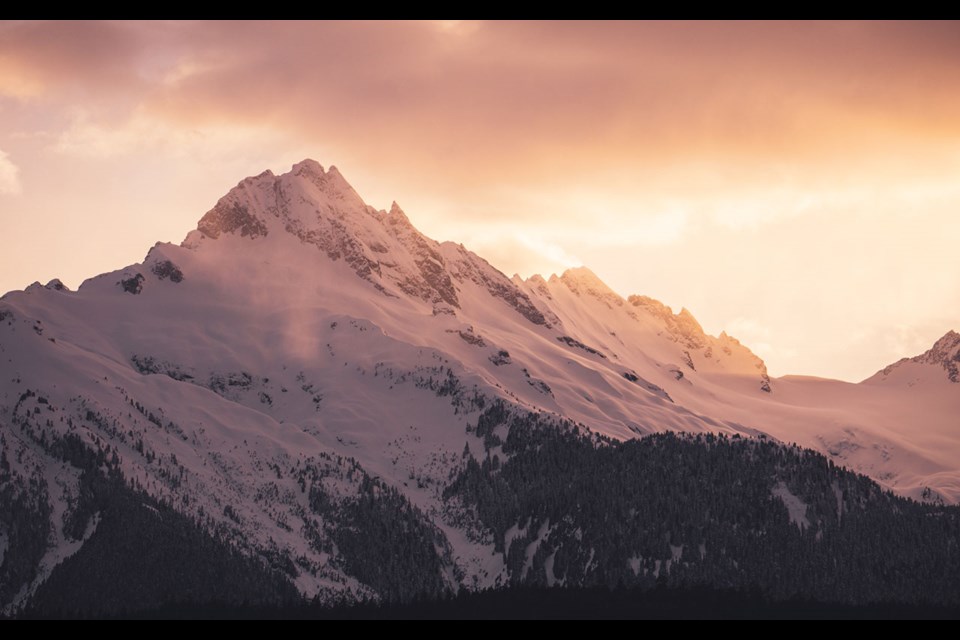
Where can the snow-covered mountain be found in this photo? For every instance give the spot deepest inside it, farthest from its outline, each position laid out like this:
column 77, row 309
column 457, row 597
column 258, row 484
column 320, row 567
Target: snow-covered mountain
column 302, row 358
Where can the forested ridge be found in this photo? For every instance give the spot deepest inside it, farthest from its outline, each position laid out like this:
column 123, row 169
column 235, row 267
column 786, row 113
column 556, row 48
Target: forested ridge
column 565, row 507
column 701, row 509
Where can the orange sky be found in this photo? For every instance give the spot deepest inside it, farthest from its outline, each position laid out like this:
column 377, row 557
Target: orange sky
column 795, row 184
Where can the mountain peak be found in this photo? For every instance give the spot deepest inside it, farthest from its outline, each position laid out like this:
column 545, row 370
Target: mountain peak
column 950, row 336
column 322, row 211
column 583, row 281
column 300, row 199
column 580, row 274
column 397, row 216
column 945, row 353
column 686, row 320
column 330, row 182
column 309, row 166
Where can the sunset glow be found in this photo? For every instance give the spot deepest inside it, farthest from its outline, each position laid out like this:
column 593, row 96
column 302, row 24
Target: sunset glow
column 794, row 184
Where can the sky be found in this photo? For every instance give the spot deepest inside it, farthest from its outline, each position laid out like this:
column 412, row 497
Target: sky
column 795, row 184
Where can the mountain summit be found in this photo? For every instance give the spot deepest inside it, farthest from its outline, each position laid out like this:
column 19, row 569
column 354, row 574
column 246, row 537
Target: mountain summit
column 321, row 210
column 310, row 380
column 944, row 354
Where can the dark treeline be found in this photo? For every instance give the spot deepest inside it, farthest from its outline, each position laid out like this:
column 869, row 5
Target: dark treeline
column 384, row 541
column 142, row 552
column 700, row 509
column 598, row 603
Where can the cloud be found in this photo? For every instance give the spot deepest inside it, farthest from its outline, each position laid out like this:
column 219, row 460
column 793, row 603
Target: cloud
column 9, row 176
column 730, row 166
column 87, row 137
column 56, row 56
column 482, row 101
column 519, row 251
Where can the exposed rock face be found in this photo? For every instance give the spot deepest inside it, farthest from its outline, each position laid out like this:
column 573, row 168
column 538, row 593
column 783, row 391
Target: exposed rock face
column 133, row 284
column 56, row 285
column 573, row 342
column 682, row 326
column 231, row 217
column 166, row 269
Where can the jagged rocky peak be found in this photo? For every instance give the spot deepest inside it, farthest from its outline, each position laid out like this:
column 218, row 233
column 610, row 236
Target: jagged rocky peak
column 945, row 352
column 250, row 206
column 398, row 224
column 688, row 323
column 383, row 248
column 681, row 324
column 728, row 341
column 651, row 306
column 308, row 166
column 687, row 331
column 313, row 171
column 582, row 281
column 231, row 215
column 537, row 283
column 947, row 347
column 330, row 182
column 56, row 285
column 396, row 215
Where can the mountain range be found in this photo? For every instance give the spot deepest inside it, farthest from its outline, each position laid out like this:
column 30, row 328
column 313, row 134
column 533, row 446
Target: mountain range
column 310, row 396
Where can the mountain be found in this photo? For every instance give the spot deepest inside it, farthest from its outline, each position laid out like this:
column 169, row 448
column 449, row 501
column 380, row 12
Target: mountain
column 313, row 397
column 924, row 368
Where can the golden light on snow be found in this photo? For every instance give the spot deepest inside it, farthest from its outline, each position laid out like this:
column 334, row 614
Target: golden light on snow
column 792, row 183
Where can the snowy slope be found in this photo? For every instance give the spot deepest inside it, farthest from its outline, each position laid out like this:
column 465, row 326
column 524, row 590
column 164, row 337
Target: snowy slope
column 298, row 331
column 899, row 427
